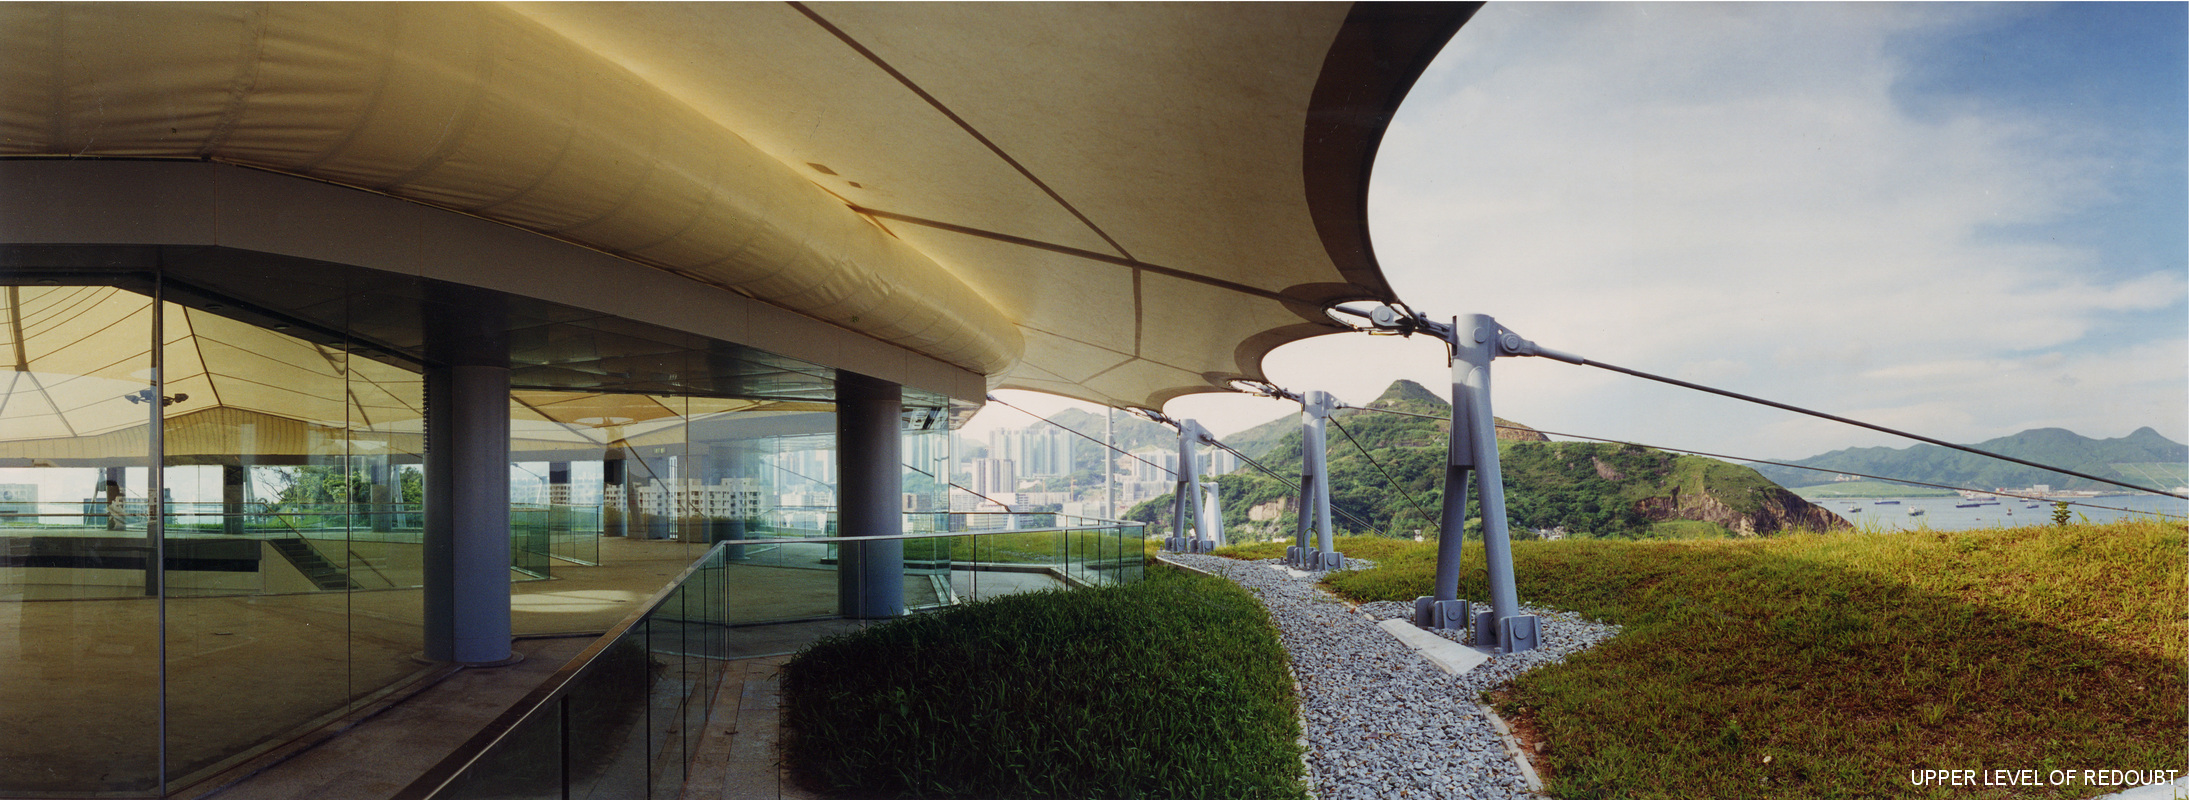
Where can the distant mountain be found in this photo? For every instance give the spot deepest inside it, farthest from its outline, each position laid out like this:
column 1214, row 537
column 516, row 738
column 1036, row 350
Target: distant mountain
column 2143, row 458
column 1257, row 441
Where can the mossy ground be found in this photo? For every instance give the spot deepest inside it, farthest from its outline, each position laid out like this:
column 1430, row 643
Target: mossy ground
column 1831, row 665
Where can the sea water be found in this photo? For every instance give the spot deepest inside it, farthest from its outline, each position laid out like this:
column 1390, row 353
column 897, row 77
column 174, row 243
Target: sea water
column 1942, row 513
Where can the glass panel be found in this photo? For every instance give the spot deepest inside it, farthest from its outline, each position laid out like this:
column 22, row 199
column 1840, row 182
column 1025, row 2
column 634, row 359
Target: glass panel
column 258, row 634
column 527, row 765
column 386, row 552
column 79, row 647
column 608, row 731
column 665, row 701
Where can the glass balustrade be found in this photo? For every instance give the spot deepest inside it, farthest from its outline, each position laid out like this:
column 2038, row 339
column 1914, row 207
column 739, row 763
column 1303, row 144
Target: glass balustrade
column 625, row 718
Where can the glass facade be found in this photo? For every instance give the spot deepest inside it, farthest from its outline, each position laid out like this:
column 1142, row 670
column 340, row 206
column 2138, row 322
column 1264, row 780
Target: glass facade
column 212, row 480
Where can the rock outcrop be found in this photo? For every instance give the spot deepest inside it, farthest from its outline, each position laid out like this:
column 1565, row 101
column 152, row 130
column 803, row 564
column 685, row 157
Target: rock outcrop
column 1776, row 510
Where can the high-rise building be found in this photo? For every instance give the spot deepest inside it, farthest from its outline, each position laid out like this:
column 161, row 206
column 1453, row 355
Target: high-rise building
column 1040, row 450
column 995, row 477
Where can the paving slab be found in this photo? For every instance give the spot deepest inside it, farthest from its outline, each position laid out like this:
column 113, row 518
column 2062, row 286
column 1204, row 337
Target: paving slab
column 1452, row 657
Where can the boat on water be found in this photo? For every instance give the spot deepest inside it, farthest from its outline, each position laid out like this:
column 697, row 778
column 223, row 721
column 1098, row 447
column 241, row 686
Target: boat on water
column 1915, row 512
column 1966, row 505
column 1854, row 509
column 1886, row 503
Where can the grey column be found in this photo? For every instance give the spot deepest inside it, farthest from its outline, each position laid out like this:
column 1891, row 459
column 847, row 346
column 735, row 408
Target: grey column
column 1109, row 462
column 612, row 473
column 1303, row 539
column 1442, row 608
column 558, row 510
column 232, row 478
column 869, row 496
column 384, row 491
column 467, row 480
column 1474, row 345
column 1474, row 342
column 1188, row 492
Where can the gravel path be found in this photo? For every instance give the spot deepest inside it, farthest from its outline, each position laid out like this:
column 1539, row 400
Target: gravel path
column 1381, row 721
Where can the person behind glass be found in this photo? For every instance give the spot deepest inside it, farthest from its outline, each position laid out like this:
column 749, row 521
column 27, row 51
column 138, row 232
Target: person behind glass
column 116, row 518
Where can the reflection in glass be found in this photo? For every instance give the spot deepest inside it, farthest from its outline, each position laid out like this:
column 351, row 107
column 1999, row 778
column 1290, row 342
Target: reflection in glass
column 74, row 558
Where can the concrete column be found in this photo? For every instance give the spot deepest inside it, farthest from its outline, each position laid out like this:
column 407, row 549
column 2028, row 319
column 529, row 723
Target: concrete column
column 869, row 496
column 730, row 465
column 558, row 482
column 558, row 498
column 467, row 480
column 381, row 478
column 613, row 472
column 231, row 498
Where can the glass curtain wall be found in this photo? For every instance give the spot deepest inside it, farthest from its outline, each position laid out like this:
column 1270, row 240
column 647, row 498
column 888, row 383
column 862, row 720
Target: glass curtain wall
column 610, row 489
column 79, row 608
column 218, row 455
column 772, row 469
column 285, row 607
column 274, row 558
column 925, row 448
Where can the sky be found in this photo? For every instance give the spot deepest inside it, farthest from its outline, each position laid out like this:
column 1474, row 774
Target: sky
column 1963, row 220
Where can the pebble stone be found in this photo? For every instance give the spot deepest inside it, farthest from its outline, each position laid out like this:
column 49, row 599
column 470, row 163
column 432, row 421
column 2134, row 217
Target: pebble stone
column 1381, row 721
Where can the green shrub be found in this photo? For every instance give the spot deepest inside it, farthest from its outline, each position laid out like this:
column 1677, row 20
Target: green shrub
column 1172, row 687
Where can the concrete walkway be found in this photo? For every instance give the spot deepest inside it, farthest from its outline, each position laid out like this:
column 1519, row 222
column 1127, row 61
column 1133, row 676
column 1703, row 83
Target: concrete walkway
column 741, row 756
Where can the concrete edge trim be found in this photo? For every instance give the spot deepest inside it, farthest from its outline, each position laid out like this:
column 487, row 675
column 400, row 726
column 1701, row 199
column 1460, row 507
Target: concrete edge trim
column 1512, row 748
column 1162, row 560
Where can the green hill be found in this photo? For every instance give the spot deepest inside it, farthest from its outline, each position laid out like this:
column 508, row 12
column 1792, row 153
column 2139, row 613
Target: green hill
column 1588, row 489
column 2143, row 458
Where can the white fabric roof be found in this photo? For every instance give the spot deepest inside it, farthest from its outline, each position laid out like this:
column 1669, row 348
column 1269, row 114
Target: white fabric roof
column 77, row 352
column 1121, row 203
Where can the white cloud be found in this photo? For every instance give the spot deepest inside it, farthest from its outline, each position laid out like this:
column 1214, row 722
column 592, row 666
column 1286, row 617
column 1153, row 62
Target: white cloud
column 1728, row 193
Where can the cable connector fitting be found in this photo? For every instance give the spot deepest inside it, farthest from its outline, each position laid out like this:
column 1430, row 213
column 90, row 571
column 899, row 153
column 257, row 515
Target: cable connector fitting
column 1510, row 344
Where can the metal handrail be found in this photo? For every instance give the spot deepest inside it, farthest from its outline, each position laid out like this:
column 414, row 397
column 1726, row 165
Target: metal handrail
column 902, row 536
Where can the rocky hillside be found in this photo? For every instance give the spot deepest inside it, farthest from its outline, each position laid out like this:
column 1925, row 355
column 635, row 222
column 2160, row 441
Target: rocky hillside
column 1623, row 490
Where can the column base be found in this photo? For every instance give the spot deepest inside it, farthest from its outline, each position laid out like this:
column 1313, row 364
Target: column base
column 1448, row 615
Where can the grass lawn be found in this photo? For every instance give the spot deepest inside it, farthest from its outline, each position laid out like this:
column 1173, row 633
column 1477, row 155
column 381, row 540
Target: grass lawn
column 1830, row 666
column 1175, row 686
